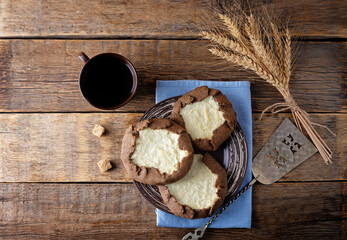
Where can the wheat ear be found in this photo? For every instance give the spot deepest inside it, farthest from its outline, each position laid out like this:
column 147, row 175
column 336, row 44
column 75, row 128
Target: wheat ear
column 232, row 28
column 279, row 50
column 236, row 33
column 278, row 43
column 287, row 57
column 265, row 54
column 225, row 42
column 245, row 62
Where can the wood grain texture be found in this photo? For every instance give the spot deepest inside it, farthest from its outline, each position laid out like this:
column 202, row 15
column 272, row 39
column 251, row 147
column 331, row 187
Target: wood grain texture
column 153, row 19
column 99, row 211
column 42, row 75
column 62, row 148
column 46, row 126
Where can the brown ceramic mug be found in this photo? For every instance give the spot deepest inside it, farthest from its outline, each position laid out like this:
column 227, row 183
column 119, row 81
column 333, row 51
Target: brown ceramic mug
column 108, row 80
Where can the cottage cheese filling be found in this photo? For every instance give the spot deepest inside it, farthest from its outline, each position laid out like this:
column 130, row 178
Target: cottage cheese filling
column 202, row 118
column 158, row 149
column 197, row 189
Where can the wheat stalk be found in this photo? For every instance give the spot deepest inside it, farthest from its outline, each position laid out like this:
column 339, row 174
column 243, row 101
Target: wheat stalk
column 270, row 59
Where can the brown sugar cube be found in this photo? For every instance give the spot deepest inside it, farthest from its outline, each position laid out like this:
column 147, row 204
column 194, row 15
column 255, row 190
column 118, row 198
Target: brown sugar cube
column 98, row 130
column 104, row 165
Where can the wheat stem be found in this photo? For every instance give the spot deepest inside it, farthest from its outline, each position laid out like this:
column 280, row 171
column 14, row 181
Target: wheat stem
column 297, row 122
column 317, row 140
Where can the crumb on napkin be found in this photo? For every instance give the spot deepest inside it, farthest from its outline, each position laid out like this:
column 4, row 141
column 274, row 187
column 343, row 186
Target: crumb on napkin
column 104, row 165
column 98, row 130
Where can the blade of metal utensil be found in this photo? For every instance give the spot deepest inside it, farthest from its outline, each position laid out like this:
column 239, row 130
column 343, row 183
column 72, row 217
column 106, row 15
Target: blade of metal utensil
column 285, row 149
column 199, row 232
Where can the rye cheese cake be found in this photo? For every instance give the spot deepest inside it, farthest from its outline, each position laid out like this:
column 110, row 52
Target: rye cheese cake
column 208, row 116
column 200, row 193
column 157, row 151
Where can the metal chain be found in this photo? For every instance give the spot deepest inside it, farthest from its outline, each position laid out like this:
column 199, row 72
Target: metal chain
column 231, row 201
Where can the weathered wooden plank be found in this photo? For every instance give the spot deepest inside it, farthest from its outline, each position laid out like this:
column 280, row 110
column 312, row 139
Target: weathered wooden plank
column 99, row 211
column 42, row 75
column 61, row 147
column 152, row 19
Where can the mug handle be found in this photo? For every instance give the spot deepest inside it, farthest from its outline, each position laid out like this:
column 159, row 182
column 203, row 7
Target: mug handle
column 83, row 57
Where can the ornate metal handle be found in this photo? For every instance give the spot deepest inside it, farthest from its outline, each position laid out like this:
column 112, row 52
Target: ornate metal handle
column 199, row 232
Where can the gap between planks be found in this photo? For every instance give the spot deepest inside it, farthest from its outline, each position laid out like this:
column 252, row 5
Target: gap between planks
column 295, row 38
column 129, row 182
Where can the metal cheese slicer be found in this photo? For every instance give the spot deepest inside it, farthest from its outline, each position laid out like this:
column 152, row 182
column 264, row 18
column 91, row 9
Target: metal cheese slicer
column 286, row 149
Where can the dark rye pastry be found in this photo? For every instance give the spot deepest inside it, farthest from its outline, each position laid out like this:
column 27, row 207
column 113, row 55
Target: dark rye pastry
column 157, row 151
column 208, row 116
column 200, row 193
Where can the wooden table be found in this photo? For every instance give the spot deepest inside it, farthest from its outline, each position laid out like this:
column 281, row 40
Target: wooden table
column 51, row 187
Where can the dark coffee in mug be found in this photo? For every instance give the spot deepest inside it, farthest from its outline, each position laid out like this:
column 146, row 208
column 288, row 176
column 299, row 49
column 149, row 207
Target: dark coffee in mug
column 108, row 80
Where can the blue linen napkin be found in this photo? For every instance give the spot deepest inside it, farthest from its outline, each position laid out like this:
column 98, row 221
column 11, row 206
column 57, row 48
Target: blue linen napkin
column 239, row 214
